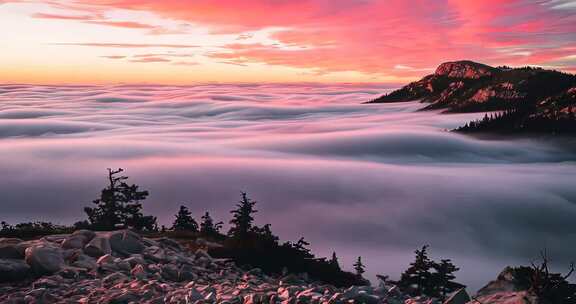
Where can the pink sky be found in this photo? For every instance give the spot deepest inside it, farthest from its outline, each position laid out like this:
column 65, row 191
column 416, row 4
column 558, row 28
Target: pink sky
column 390, row 41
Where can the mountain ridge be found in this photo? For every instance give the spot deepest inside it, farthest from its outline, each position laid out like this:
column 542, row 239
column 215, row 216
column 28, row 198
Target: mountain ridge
column 540, row 100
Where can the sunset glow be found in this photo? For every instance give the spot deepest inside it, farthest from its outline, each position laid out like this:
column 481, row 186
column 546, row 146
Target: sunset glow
column 181, row 42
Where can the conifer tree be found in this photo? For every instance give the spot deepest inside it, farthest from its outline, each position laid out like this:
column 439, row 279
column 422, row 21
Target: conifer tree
column 119, row 206
column 334, row 261
column 242, row 219
column 429, row 278
column 444, row 277
column 359, row 268
column 302, row 247
column 208, row 227
column 184, row 221
column 416, row 279
column 264, row 235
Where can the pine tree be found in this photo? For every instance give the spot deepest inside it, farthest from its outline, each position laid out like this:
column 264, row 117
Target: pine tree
column 119, row 205
column 359, row 267
column 208, row 227
column 242, row 219
column 334, row 261
column 264, row 235
column 416, row 279
column 444, row 277
column 302, row 247
column 184, row 221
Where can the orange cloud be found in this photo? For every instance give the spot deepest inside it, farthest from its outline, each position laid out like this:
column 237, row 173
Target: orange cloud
column 128, row 45
column 374, row 36
column 124, row 24
column 185, row 63
column 62, row 17
column 367, row 36
column 150, row 60
column 114, row 57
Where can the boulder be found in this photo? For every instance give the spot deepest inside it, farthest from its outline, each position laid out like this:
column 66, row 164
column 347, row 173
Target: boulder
column 210, row 297
column 169, row 243
column 201, row 253
column 253, row 298
column 13, row 270
column 105, row 259
column 154, row 254
column 135, row 259
column 122, row 265
column 513, row 297
column 98, row 246
column 169, row 272
column 27, row 244
column 85, row 262
column 114, row 278
column 509, row 280
column 124, row 296
column 138, row 272
column 9, row 248
column 78, row 239
column 458, row 297
column 74, row 242
column 44, row 259
column 55, row 238
column 363, row 297
column 126, row 242
column 47, row 283
column 193, row 295
column 88, row 235
column 187, row 273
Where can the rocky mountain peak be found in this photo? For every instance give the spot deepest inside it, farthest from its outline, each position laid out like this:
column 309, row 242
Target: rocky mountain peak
column 464, row 69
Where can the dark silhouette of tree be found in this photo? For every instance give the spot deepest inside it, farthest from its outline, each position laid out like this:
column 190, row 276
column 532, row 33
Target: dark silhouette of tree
column 302, row 245
column 242, row 219
column 444, row 277
column 258, row 246
column 416, row 279
column 550, row 287
column 248, row 244
column 32, row 229
column 428, row 278
column 208, row 227
column 359, row 268
column 119, row 206
column 264, row 235
column 334, row 261
column 184, row 221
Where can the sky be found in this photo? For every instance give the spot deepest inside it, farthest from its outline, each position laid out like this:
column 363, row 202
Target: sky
column 183, row 42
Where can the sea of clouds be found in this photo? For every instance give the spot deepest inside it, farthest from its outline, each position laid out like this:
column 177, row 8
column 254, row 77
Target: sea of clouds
column 371, row 180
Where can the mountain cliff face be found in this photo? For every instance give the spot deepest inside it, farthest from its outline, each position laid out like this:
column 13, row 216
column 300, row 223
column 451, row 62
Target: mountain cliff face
column 465, row 69
column 466, row 86
column 534, row 99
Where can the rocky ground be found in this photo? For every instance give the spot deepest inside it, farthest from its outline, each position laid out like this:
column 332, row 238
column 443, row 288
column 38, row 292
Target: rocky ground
column 123, row 267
